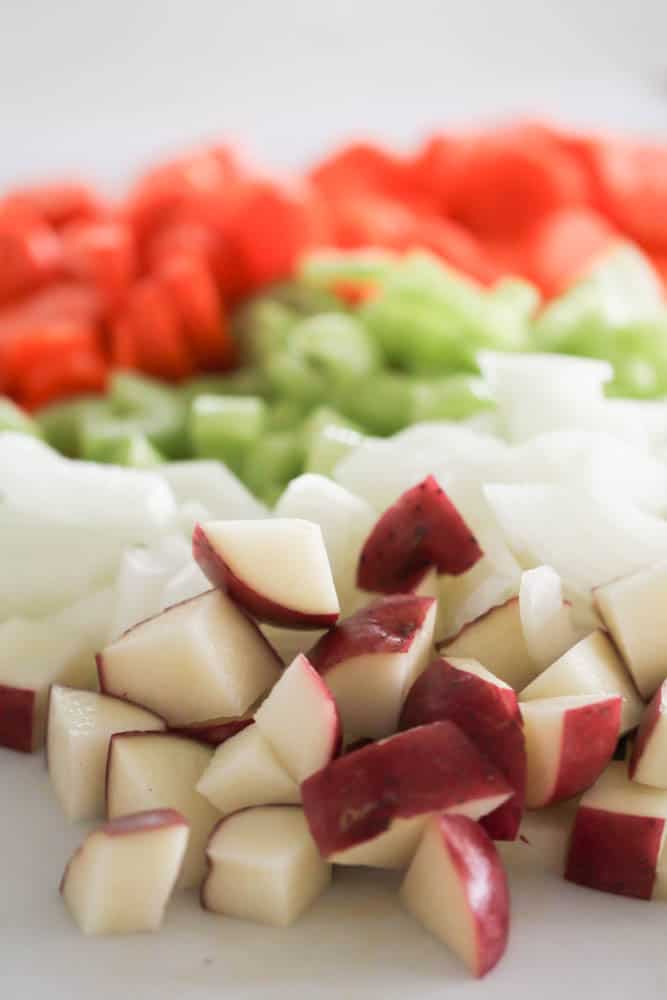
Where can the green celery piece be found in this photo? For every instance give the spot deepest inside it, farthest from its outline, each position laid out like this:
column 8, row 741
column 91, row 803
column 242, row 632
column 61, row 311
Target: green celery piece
column 135, row 451
column 303, row 298
column 13, row 418
column 333, row 344
column 521, row 296
column 260, row 328
column 328, row 267
column 225, row 427
column 328, row 445
column 62, row 423
column 270, row 463
column 291, row 378
column 452, row 397
column 620, row 291
column 430, row 319
column 381, row 403
column 148, row 406
column 325, row 416
column 245, row 382
column 286, row 415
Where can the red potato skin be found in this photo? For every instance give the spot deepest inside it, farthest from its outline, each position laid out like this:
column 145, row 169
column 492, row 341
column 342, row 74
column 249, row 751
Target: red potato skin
column 482, row 873
column 17, row 718
column 614, row 852
column 215, row 731
column 444, row 643
column 590, row 735
column 328, row 699
column 422, row 529
column 652, row 715
column 427, row 769
column 141, row 822
column 263, row 610
column 388, row 625
column 489, row 716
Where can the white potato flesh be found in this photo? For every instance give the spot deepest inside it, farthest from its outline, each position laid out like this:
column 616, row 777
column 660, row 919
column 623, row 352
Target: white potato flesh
column 193, row 662
column 243, row 772
column 161, row 771
column 282, row 559
column 631, row 608
column 299, row 719
column 80, row 726
column 264, row 866
column 121, row 883
column 592, row 666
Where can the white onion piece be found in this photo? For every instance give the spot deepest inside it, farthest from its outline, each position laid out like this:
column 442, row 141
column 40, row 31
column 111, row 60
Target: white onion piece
column 212, row 484
column 127, row 504
column 587, row 538
column 546, row 619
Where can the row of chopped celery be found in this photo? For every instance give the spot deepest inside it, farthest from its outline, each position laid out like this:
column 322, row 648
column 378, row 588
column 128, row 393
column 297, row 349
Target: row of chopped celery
column 317, row 375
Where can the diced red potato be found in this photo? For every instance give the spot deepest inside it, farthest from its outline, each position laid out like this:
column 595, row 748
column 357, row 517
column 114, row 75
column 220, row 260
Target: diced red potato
column 80, row 727
column 33, row 656
column 195, row 660
column 370, row 661
column 300, row 720
column 159, row 771
column 422, row 529
column 497, row 641
column 569, row 742
column 217, row 731
column 617, row 844
column 428, row 769
column 120, row 879
column 276, row 569
column 648, row 762
column 457, row 888
column 244, row 772
column 487, row 711
column 543, row 839
column 263, row 865
column 630, row 608
column 392, row 850
column 592, row 666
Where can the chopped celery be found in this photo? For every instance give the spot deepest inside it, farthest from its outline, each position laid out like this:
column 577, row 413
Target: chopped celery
column 428, row 318
column 260, row 328
column 246, row 382
column 453, row 397
column 292, row 378
column 334, row 345
column 61, row 423
column 271, row 461
column 328, row 436
column 135, row 451
column 328, row 445
column 328, row 267
column 519, row 295
column 13, row 418
column 224, row 427
column 325, row 416
column 304, row 299
column 286, row 414
column 381, row 403
column 152, row 408
column 622, row 290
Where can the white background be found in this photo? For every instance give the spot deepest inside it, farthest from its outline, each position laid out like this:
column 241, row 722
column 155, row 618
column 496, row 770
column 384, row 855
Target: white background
column 101, row 88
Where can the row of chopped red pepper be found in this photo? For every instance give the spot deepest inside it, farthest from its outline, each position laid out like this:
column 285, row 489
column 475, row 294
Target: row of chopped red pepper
column 146, row 283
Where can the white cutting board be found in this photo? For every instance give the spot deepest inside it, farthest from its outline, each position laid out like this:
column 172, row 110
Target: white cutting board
column 567, row 943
